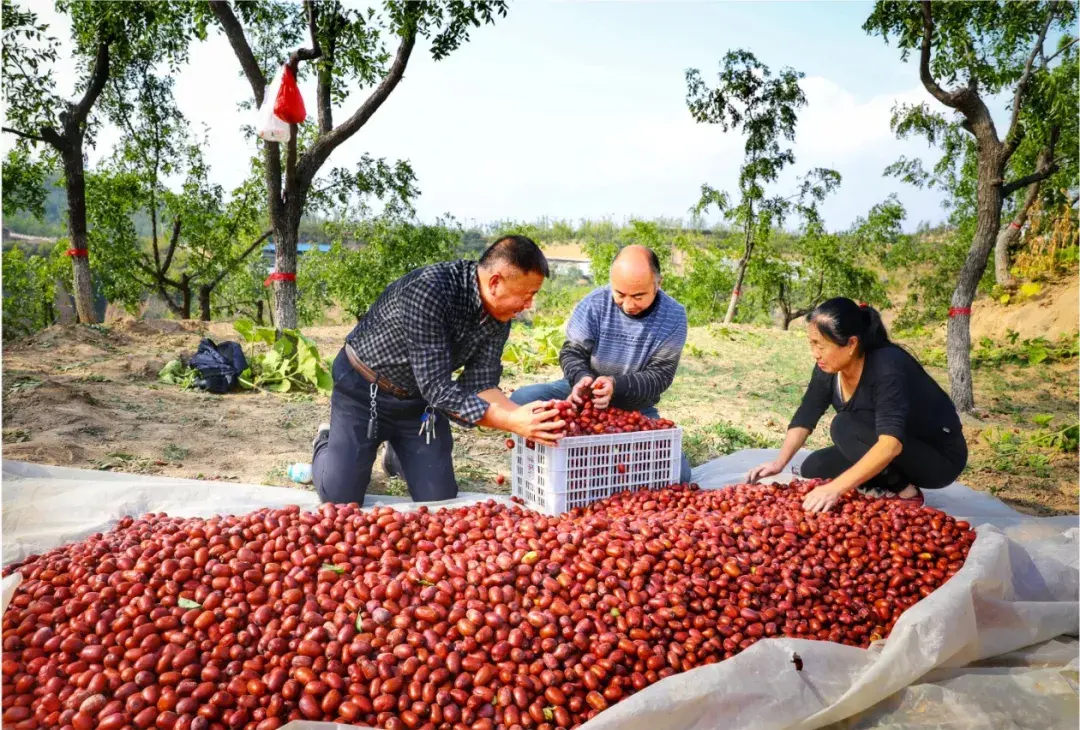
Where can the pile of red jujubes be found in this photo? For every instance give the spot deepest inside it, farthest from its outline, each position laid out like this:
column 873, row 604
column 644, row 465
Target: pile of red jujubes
column 479, row 617
column 590, row 421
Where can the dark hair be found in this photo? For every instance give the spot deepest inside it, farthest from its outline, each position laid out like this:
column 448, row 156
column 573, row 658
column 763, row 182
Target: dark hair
column 654, row 263
column 520, row 252
column 840, row 319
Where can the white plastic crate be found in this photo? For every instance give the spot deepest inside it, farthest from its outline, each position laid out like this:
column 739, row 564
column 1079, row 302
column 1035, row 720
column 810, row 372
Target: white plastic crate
column 584, row 469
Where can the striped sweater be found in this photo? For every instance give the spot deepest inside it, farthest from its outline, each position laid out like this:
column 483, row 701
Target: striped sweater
column 640, row 353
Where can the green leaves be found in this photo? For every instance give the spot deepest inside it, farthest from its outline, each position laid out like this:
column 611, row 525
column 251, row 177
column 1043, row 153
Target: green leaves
column 30, row 289
column 354, row 278
column 187, row 603
column 176, row 372
column 292, row 361
column 763, row 107
column 531, row 349
column 29, row 52
column 1026, row 352
column 25, row 180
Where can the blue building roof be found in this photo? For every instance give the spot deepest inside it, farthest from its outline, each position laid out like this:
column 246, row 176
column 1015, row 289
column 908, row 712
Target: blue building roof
column 300, row 247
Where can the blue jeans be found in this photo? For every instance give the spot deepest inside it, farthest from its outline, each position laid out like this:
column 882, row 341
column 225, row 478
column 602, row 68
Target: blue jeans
column 560, row 390
column 342, row 462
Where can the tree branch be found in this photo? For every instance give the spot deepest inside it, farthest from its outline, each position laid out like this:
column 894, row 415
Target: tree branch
column 1046, row 166
column 172, row 245
column 1067, row 46
column 147, row 269
column 175, row 308
column 820, row 288
column 925, row 74
column 1012, row 138
column 125, row 120
column 314, row 158
column 1023, row 182
column 308, row 54
column 228, row 269
column 290, row 162
column 235, row 33
column 324, row 101
column 26, row 135
column 98, row 78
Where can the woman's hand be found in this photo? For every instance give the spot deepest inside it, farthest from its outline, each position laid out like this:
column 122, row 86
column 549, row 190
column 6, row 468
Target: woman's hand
column 761, row 471
column 824, row 498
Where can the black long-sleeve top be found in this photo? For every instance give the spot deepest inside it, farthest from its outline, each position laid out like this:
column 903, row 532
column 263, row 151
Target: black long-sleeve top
column 894, row 393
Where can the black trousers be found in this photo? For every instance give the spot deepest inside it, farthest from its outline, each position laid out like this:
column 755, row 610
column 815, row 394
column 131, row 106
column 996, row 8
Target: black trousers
column 342, row 462
column 924, row 465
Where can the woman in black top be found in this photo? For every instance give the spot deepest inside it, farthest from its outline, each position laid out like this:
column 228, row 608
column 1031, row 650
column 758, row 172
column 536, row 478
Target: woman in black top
column 895, row 431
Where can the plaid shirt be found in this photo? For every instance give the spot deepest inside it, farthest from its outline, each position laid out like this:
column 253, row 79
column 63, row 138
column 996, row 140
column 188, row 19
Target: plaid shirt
column 425, row 326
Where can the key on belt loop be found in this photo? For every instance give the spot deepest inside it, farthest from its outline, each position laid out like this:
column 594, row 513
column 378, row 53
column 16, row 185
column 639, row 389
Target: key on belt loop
column 373, row 421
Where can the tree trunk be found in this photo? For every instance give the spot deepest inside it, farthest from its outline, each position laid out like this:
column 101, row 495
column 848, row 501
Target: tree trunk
column 204, row 302
column 748, row 248
column 259, row 313
column 989, row 201
column 185, row 290
column 1009, row 235
column 75, row 185
column 286, row 235
column 270, row 312
column 176, row 309
column 737, row 291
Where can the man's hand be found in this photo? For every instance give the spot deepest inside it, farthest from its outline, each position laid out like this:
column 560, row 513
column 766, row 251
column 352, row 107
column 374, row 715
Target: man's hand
column 577, row 395
column 537, row 421
column 602, row 390
column 761, row 471
column 823, row 499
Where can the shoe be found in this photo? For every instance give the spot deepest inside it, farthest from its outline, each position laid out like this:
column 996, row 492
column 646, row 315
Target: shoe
column 324, row 428
column 390, row 463
column 876, row 493
column 916, row 500
column 879, row 493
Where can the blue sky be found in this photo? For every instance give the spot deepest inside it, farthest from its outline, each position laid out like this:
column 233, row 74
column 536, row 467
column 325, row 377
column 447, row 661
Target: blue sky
column 577, row 110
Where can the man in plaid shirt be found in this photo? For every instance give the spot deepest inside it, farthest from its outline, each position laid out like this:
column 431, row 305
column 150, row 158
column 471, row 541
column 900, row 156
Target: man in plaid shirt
column 393, row 378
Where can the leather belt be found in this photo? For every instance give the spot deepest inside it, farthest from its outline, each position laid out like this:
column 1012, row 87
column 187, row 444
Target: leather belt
column 372, row 377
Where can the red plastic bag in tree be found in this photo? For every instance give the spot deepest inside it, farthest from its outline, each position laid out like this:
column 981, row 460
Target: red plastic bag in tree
column 289, row 105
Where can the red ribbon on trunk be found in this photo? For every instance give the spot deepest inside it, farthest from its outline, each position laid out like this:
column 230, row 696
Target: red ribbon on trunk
column 958, row 311
column 279, row 276
column 77, row 252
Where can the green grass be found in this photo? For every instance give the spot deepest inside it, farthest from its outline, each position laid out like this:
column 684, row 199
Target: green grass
column 172, row 452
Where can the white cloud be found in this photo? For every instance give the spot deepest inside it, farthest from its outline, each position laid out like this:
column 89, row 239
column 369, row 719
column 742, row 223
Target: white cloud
column 493, row 135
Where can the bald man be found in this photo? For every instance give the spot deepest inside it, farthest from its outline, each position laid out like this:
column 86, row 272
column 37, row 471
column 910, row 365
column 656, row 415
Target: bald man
column 623, row 341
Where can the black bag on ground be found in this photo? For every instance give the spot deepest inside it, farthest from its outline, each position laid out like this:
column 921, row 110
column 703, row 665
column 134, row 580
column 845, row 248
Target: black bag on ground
column 219, row 366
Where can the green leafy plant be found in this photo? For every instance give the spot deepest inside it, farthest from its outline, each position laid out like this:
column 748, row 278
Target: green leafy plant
column 537, row 348
column 291, row 361
column 30, row 289
column 702, row 445
column 1065, row 439
column 176, row 372
column 1025, row 352
column 1032, row 452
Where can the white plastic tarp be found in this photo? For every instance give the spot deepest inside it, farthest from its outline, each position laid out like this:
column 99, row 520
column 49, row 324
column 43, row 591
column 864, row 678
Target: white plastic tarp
column 994, row 647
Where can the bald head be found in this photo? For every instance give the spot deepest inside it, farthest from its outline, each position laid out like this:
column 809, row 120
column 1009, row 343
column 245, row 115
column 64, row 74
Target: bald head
column 635, row 279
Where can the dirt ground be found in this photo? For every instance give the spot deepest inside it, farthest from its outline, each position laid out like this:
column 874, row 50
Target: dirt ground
column 1052, row 312
column 88, row 397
